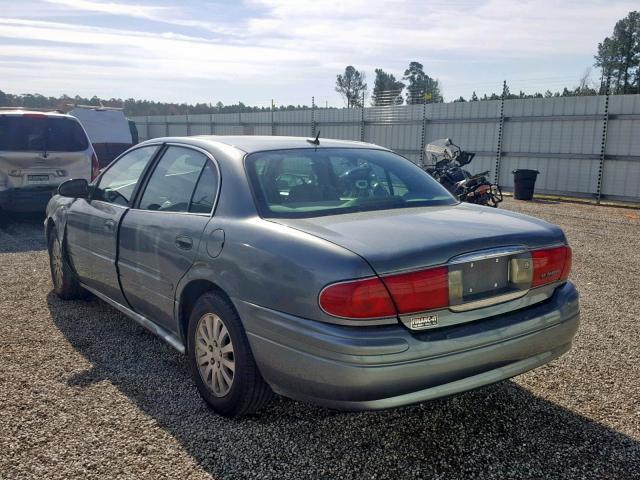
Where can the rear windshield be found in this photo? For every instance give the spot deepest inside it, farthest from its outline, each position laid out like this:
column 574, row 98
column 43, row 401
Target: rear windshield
column 24, row 133
column 311, row 182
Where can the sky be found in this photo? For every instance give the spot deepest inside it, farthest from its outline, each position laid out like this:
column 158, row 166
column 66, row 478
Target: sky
column 288, row 50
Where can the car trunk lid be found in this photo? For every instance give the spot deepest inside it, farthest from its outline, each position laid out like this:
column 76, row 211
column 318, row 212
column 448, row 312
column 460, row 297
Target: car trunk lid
column 444, row 261
column 410, row 238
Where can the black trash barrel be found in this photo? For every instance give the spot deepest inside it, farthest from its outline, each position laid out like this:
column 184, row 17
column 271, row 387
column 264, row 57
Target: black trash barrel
column 524, row 183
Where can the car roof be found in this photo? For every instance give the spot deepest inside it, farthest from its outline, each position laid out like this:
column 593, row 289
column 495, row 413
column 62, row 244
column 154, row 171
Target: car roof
column 258, row 143
column 25, row 111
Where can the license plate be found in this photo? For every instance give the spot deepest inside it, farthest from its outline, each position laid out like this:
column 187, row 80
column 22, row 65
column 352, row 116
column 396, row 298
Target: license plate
column 37, row 178
column 484, row 277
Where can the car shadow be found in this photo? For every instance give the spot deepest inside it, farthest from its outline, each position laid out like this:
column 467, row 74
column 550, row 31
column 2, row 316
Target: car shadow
column 502, row 430
column 21, row 232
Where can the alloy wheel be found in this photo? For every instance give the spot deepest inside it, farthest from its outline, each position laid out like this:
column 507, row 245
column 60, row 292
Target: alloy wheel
column 56, row 263
column 214, row 354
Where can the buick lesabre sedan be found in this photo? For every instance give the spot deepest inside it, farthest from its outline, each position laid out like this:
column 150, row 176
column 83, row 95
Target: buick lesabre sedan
column 333, row 272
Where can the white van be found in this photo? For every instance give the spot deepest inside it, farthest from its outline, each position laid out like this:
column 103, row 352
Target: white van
column 38, row 151
column 109, row 131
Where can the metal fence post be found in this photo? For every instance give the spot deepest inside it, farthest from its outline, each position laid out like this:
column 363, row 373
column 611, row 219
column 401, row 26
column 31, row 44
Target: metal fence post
column 273, row 125
column 188, row 125
column 500, row 133
column 362, row 120
column 212, row 125
column 313, row 116
column 166, row 126
column 603, row 145
column 423, row 136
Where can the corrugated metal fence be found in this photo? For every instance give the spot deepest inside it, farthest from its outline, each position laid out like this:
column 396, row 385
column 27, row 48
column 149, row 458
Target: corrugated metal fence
column 584, row 146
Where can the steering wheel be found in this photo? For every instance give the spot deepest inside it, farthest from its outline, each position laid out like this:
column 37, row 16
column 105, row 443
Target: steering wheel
column 361, row 181
column 358, row 177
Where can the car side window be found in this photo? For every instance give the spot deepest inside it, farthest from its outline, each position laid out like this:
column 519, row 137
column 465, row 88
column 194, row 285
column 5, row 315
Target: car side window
column 173, row 180
column 117, row 184
column 206, row 189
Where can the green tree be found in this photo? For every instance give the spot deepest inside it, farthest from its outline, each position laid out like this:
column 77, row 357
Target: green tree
column 386, row 89
column 351, row 85
column 474, row 97
column 619, row 55
column 421, row 86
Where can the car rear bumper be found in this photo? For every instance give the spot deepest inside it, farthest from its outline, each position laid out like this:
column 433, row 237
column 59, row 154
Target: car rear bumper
column 363, row 368
column 31, row 199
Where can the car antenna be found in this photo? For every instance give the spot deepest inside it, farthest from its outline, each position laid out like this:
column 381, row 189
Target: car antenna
column 315, row 141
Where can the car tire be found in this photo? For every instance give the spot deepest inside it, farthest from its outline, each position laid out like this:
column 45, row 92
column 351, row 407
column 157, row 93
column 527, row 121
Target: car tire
column 65, row 282
column 221, row 361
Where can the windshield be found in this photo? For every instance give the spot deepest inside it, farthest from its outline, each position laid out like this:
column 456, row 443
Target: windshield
column 39, row 133
column 312, row 182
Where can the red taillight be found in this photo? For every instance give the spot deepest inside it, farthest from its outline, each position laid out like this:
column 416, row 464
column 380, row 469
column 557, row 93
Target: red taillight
column 550, row 265
column 95, row 167
column 359, row 299
column 369, row 298
column 419, row 291
column 424, row 290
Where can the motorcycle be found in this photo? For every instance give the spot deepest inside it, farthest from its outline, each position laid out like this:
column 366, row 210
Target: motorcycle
column 447, row 161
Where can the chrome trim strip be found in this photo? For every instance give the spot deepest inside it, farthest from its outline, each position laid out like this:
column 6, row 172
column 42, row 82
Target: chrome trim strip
column 487, row 302
column 154, row 328
column 485, row 254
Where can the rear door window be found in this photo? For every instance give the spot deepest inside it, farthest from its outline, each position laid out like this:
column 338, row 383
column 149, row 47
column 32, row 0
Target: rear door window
column 205, row 193
column 28, row 133
column 173, row 181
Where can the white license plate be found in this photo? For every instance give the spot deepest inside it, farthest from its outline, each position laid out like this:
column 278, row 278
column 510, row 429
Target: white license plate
column 37, row 179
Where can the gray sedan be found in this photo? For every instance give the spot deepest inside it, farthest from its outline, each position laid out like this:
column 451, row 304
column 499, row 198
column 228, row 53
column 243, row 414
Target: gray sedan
column 328, row 271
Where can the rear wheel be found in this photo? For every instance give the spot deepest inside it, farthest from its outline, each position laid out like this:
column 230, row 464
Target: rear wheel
column 222, row 364
column 65, row 283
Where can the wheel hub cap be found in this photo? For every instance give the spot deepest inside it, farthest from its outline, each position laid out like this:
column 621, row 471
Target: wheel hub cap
column 56, row 263
column 215, row 354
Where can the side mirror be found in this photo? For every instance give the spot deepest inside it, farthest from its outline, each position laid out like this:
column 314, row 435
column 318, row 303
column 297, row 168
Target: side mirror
column 74, row 188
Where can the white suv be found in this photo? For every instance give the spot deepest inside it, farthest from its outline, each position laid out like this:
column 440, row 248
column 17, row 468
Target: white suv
column 38, row 151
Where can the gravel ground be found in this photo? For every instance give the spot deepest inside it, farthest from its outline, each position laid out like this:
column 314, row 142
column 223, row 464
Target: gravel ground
column 84, row 392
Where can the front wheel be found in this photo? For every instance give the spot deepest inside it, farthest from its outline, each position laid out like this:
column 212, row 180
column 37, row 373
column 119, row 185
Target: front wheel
column 65, row 283
column 222, row 364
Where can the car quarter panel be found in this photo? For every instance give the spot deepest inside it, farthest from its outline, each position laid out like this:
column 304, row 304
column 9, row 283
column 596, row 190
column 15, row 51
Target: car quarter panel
column 271, row 265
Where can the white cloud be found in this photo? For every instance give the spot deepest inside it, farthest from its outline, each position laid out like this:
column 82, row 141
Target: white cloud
column 129, row 9
column 273, row 45
column 162, row 14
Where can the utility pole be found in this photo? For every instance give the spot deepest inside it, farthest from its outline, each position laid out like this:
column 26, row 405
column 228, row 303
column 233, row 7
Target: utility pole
column 313, row 117
column 500, row 134
column 273, row 125
column 362, row 120
column 603, row 144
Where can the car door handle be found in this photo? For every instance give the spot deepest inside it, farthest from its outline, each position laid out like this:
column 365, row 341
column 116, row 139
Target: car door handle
column 184, row 242
column 109, row 225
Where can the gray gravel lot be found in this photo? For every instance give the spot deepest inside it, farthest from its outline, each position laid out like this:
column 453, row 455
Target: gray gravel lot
column 86, row 393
